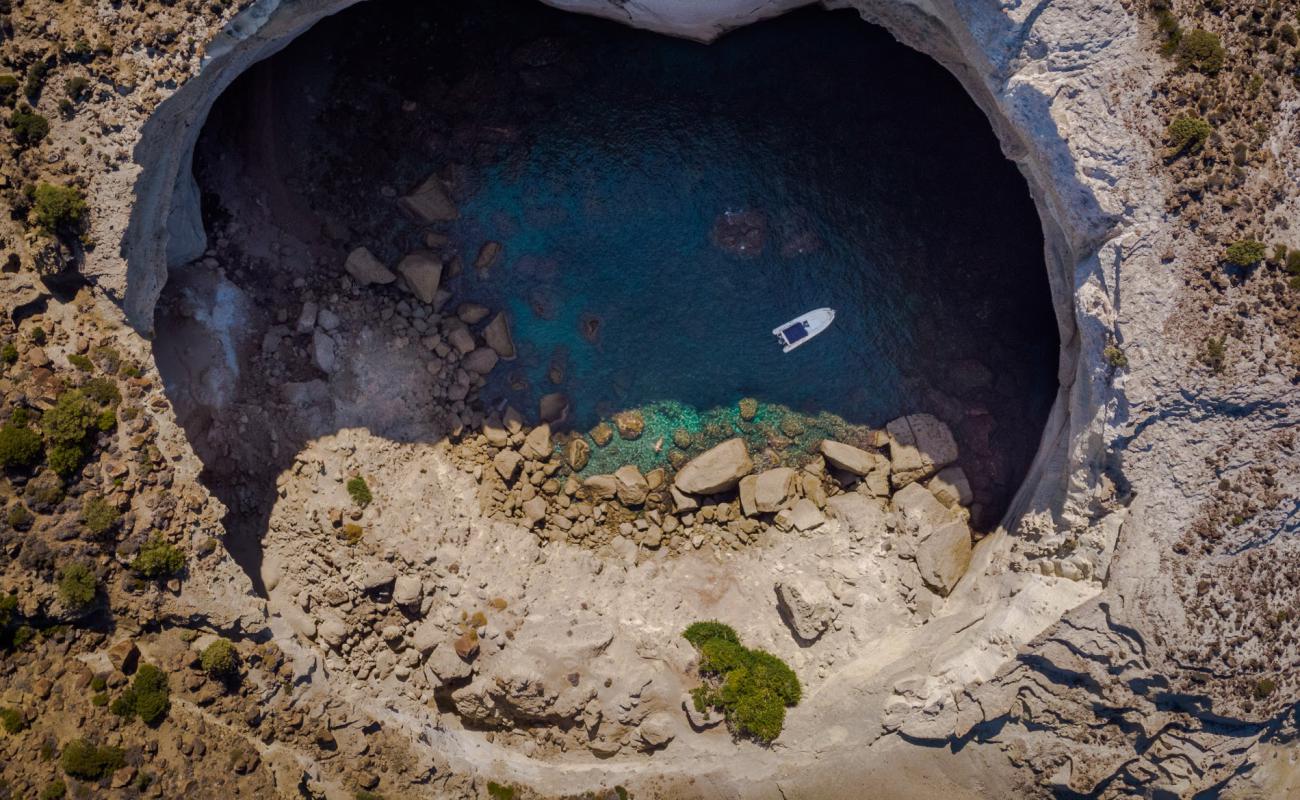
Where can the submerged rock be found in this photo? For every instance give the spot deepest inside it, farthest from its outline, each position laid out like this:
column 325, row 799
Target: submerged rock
column 487, row 256
column 716, row 470
column 429, row 202
column 740, row 233
column 630, row 424
column 577, row 453
column 497, row 336
column 481, row 360
column 421, row 272
column 553, row 407
column 362, row 265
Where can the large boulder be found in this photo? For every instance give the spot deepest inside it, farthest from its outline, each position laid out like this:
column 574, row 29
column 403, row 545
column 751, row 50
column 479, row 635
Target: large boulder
column 921, row 509
column 951, row 487
column 919, row 446
column 716, row 470
column 362, row 265
column 943, row 556
column 429, row 202
column 774, row 488
column 537, row 444
column 851, row 459
column 421, row 271
column 807, row 607
column 497, row 336
column 632, row 486
column 480, row 361
column 601, row 487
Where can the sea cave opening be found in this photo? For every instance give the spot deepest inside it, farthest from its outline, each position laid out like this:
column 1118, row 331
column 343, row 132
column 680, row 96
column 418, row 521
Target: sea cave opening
column 638, row 212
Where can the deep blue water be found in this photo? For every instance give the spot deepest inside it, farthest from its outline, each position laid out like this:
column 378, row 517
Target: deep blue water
column 603, row 158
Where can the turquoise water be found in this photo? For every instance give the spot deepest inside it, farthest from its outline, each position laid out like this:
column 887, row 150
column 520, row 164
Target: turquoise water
column 606, row 161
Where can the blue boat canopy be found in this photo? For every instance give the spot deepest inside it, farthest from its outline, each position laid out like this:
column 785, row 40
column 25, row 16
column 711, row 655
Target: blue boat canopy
column 795, row 332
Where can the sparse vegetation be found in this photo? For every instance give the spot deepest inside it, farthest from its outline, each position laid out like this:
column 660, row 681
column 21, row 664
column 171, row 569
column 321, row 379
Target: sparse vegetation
column 1187, row 134
column 1263, row 688
column 1245, row 252
column 1115, row 357
column 81, row 362
column 77, row 586
column 55, row 790
column 1201, row 50
column 220, row 659
column 1215, row 355
column 8, row 89
column 58, row 209
column 30, row 128
column 498, row 792
column 751, row 687
column 12, row 720
column 359, row 491
column 81, row 759
column 99, row 516
column 20, row 446
column 148, row 697
column 158, row 560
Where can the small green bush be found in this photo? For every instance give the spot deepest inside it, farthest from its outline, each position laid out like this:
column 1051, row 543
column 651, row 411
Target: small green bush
column 498, row 792
column 1187, row 134
column 1215, row 355
column 81, row 759
column 752, row 687
column 149, row 696
column 1115, row 357
column 697, row 633
column 65, row 459
column 1293, row 261
column 8, row 609
column 81, row 362
column 77, row 586
column 19, row 446
column 8, row 89
column 19, row 518
column 103, row 391
column 1202, row 51
column 99, row 683
column 13, row 721
column 359, row 491
column 54, row 791
column 30, row 128
column 76, row 87
column 58, row 208
column 35, row 79
column 1245, row 252
column 362, row 794
column 99, row 516
column 158, row 560
column 9, row 353
column 70, row 419
column 1263, row 688
column 220, row 659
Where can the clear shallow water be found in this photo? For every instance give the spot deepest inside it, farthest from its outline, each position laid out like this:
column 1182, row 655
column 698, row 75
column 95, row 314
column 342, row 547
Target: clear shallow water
column 602, row 159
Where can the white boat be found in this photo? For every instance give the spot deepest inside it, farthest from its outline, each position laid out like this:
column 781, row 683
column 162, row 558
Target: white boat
column 802, row 328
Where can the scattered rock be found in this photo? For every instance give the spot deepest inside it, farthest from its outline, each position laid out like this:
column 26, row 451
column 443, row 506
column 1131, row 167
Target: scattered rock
column 323, row 352
column 507, row 464
column 534, row 510
column 421, row 272
column 481, row 360
column 851, row 459
column 632, row 487
column 601, row 487
column 553, row 408
column 920, row 508
column 807, row 607
column 602, row 434
column 951, row 487
column 943, row 556
column 716, row 470
column 774, row 488
column 466, row 645
column 537, row 445
column 806, row 515
column 377, row 576
column 124, row 656
column 462, row 340
column 366, row 269
column 487, row 256
column 407, row 590
column 472, row 313
column 919, row 445
column 656, row 731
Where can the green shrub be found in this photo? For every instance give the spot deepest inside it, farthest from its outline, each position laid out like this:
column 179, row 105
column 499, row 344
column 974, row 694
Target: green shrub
column 81, row 759
column 19, row 518
column 362, row 794
column 1287, row 33
column 99, row 516
column 99, row 683
column 54, row 791
column 65, row 459
column 19, row 446
column 158, row 560
column 1263, row 688
column 8, row 609
column 148, row 697
column 498, row 792
column 359, row 491
column 1187, row 134
column 697, row 633
column 1293, row 262
column 1215, row 355
column 220, row 659
column 29, row 127
column 103, row 391
column 77, row 586
column 70, row 419
column 58, row 208
column 1115, row 356
column 8, row 89
column 13, row 721
column 1245, row 252
column 35, row 79
column 81, row 362
column 752, row 687
column 1202, row 51
column 9, row 353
